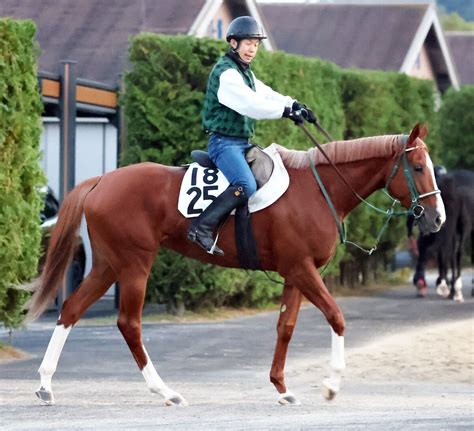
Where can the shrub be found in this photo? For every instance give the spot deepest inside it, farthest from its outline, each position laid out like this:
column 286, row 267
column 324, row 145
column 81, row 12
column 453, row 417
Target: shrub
column 20, row 172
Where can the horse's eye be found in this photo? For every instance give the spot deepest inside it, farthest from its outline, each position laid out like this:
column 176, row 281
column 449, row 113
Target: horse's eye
column 418, row 168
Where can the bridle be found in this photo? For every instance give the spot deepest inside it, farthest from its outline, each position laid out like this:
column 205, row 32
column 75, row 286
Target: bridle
column 416, row 209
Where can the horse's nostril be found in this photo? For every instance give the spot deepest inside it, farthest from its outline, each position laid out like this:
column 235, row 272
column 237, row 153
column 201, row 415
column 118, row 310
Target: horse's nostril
column 438, row 221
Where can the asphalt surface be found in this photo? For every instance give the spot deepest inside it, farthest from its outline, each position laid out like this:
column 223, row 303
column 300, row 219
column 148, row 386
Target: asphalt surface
column 222, row 370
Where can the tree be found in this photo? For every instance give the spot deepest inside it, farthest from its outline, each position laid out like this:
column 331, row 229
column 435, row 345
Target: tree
column 456, row 119
column 465, row 8
column 20, row 171
column 453, row 22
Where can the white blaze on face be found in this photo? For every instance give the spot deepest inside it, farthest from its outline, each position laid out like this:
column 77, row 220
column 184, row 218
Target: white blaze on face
column 439, row 201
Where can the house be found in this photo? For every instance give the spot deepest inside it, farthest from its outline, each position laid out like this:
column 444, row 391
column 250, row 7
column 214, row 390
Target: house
column 96, row 33
column 461, row 45
column 390, row 36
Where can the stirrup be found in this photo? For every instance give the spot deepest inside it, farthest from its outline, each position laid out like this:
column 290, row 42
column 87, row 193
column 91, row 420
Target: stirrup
column 214, row 250
column 214, row 246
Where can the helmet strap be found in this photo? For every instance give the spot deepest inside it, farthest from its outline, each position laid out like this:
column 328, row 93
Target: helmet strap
column 238, row 44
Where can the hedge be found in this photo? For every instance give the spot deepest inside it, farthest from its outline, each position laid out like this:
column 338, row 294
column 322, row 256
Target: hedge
column 163, row 101
column 456, row 119
column 378, row 103
column 20, row 172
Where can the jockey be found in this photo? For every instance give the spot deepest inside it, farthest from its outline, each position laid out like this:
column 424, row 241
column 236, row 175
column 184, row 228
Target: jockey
column 235, row 98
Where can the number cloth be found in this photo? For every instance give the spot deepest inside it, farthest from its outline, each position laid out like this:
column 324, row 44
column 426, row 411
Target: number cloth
column 200, row 186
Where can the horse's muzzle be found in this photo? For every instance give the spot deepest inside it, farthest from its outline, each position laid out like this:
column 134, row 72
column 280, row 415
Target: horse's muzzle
column 430, row 221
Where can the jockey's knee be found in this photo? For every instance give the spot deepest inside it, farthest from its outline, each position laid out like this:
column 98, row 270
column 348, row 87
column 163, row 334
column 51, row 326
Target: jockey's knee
column 249, row 186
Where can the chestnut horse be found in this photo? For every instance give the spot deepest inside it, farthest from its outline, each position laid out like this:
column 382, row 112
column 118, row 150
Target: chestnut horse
column 132, row 211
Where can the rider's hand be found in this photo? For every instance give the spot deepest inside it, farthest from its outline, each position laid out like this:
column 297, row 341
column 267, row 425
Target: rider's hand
column 311, row 116
column 295, row 116
column 306, row 113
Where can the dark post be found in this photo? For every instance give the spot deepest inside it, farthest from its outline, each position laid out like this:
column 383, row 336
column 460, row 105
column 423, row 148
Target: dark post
column 67, row 152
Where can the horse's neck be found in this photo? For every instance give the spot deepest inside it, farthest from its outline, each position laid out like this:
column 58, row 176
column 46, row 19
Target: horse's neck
column 364, row 176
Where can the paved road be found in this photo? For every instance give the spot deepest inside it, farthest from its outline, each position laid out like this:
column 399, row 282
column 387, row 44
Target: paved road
column 222, row 370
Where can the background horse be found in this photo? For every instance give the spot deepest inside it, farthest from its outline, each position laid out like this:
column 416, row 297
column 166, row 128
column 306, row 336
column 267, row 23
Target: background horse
column 447, row 245
column 132, row 211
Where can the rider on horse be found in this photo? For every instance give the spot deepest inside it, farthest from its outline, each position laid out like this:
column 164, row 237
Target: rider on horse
column 235, row 98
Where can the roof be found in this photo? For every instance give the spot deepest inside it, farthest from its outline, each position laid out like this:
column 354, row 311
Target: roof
column 368, row 36
column 461, row 45
column 359, row 36
column 96, row 32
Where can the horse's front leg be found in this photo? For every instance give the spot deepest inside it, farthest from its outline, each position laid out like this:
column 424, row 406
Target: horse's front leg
column 308, row 280
column 290, row 306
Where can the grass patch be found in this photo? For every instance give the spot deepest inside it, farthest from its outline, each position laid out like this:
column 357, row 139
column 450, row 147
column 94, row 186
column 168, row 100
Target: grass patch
column 391, row 281
column 8, row 353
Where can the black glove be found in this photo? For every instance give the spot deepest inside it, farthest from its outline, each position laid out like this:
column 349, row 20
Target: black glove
column 306, row 113
column 295, row 116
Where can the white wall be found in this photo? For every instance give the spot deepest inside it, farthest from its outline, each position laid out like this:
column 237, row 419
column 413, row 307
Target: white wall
column 96, row 153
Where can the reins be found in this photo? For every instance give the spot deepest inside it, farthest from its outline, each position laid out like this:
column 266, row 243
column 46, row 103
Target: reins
column 416, row 209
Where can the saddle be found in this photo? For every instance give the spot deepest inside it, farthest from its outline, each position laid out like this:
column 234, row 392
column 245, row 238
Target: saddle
column 260, row 163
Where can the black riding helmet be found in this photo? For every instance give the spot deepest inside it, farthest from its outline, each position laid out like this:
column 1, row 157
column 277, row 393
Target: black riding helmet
column 244, row 27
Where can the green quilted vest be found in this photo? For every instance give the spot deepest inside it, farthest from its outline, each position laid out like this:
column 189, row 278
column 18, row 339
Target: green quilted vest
column 219, row 118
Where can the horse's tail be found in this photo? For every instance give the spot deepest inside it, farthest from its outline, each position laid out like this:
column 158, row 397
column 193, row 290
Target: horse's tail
column 60, row 250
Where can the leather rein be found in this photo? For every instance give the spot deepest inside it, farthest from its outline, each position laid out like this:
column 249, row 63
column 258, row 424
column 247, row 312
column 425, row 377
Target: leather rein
column 416, row 209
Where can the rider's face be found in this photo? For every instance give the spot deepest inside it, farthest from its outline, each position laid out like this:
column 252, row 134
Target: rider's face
column 247, row 48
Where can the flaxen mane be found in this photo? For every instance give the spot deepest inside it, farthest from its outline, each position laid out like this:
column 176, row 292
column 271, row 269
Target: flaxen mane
column 344, row 151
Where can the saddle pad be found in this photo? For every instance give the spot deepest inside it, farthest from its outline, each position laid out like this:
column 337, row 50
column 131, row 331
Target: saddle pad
column 200, row 186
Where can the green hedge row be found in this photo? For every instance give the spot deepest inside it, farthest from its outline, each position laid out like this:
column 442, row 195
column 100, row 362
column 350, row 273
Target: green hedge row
column 20, row 172
column 456, row 120
column 163, row 102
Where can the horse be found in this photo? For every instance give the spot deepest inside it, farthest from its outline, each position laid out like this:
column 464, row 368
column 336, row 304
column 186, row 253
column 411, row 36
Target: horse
column 131, row 212
column 447, row 245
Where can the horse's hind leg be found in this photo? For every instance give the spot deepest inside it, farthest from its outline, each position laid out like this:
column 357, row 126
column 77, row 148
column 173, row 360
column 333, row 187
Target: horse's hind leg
column 457, row 279
column 132, row 296
column 290, row 306
column 308, row 280
column 91, row 289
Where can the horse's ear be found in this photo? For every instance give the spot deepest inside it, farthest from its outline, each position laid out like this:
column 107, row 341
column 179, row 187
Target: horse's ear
column 423, row 131
column 413, row 135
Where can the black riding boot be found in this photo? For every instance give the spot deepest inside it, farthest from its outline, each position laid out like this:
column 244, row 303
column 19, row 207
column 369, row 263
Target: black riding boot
column 201, row 230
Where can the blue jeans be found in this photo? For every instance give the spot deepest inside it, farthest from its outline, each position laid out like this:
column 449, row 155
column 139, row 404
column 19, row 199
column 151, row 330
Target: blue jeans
column 228, row 154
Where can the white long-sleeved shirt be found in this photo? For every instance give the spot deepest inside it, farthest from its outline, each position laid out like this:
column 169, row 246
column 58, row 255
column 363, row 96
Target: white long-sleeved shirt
column 262, row 104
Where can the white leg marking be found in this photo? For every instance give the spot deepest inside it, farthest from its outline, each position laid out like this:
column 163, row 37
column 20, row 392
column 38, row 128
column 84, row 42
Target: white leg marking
column 458, row 296
column 442, row 289
column 439, row 201
column 156, row 384
column 332, row 385
column 50, row 360
column 288, row 398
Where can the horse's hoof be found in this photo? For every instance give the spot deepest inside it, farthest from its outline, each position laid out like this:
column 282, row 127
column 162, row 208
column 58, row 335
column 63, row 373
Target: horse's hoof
column 421, row 288
column 328, row 393
column 442, row 289
column 421, row 293
column 45, row 396
column 288, row 398
column 329, row 389
column 176, row 400
column 458, row 297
